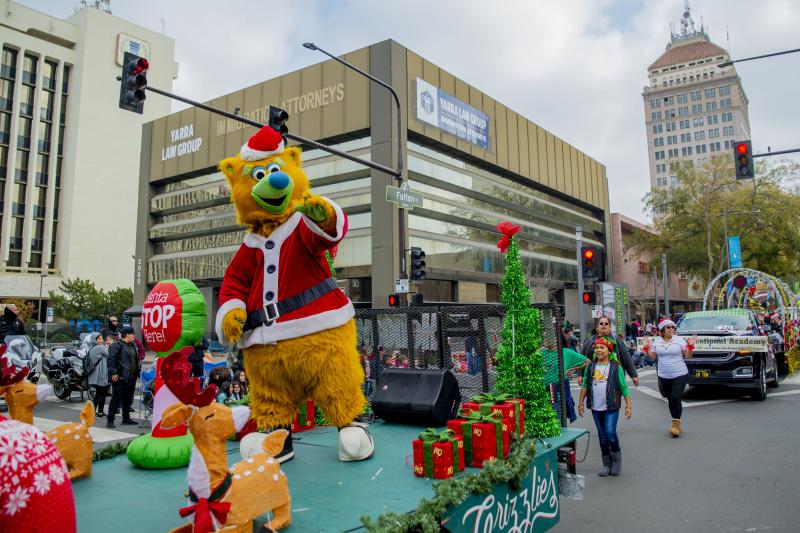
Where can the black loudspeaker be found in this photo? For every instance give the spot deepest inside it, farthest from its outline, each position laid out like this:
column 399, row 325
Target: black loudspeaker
column 425, row 397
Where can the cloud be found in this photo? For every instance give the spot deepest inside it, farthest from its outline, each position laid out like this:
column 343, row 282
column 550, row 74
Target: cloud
column 575, row 67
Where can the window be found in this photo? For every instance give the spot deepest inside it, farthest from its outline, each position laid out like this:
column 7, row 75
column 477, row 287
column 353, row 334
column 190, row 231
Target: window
column 46, row 106
column 699, row 121
column 5, row 128
column 669, row 140
column 661, row 181
column 6, row 94
column 29, row 64
column 685, row 124
column 65, row 82
column 727, row 117
column 711, row 106
column 697, row 108
column 658, row 141
column 673, row 152
column 725, row 104
column 728, row 131
column 670, row 100
column 658, row 128
column 700, row 148
column 725, row 90
column 711, row 93
column 713, row 133
column 49, row 76
column 727, row 145
column 655, row 103
column 696, row 95
column 24, row 132
column 9, row 64
column 683, row 98
column 699, row 135
column 21, row 172
column 712, row 119
column 26, row 101
column 686, row 137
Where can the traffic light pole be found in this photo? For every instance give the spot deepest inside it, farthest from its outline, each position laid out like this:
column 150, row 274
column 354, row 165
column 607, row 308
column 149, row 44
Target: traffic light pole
column 581, row 305
column 302, row 140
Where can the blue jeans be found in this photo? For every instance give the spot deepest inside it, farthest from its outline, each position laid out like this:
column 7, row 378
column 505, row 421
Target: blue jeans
column 606, row 423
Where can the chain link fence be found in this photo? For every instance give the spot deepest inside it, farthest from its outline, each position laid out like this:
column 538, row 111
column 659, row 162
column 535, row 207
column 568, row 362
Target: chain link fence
column 460, row 338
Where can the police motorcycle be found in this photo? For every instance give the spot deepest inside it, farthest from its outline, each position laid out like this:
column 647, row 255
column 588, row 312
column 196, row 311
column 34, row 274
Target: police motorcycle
column 65, row 369
column 23, row 353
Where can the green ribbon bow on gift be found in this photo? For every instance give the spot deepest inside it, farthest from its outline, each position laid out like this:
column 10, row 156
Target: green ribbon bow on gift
column 302, row 417
column 488, row 399
column 473, row 418
column 429, row 437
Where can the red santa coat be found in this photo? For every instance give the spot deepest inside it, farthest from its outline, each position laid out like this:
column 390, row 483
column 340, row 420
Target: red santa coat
column 271, row 269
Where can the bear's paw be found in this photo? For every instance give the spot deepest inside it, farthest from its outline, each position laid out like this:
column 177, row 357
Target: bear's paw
column 233, row 324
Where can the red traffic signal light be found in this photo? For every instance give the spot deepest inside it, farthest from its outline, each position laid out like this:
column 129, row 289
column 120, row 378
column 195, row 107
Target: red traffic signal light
column 394, row 300
column 743, row 160
column 588, row 297
column 588, row 253
column 592, row 263
column 133, row 83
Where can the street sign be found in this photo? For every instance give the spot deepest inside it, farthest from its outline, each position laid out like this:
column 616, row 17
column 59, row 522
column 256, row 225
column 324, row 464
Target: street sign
column 403, row 196
column 401, row 286
column 49, row 314
column 735, row 251
column 597, row 311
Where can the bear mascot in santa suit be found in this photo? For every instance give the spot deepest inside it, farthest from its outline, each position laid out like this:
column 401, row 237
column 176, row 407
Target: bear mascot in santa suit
column 280, row 303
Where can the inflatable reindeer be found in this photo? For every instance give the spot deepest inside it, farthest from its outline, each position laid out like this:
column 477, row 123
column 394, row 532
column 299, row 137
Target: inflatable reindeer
column 221, row 498
column 72, row 440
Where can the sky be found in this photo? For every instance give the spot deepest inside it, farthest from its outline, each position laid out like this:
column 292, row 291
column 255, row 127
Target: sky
column 575, row 67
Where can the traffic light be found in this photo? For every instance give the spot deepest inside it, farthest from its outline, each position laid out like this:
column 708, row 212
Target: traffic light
column 592, row 263
column 417, row 263
column 277, row 120
column 133, row 83
column 589, row 297
column 743, row 160
column 394, row 300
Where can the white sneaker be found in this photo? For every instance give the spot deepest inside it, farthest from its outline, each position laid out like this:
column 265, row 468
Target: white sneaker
column 355, row 442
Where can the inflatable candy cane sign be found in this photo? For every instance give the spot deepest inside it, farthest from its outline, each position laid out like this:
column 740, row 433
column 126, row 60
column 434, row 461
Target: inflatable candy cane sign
column 173, row 317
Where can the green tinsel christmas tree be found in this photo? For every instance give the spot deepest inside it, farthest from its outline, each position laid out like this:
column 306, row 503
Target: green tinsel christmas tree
column 520, row 371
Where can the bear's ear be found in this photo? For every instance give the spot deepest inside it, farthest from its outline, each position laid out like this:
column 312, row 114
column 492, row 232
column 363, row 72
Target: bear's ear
column 293, row 154
column 230, row 167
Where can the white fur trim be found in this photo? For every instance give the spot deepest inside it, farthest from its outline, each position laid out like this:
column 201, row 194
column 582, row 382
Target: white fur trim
column 223, row 310
column 197, row 476
column 248, row 154
column 311, row 225
column 241, row 414
column 43, row 391
column 299, row 327
column 283, row 232
column 665, row 323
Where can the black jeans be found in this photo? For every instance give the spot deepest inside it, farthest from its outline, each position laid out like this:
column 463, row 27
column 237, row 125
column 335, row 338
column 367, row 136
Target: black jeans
column 672, row 389
column 121, row 396
column 100, row 395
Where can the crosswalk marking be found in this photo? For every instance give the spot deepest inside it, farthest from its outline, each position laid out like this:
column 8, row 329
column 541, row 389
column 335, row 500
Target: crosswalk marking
column 99, row 434
column 784, row 393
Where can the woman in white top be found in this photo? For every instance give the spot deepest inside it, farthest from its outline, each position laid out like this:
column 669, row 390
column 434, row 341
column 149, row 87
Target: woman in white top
column 670, row 351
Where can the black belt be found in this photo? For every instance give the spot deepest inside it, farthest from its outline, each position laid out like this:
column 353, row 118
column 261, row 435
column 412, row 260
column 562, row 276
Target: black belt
column 271, row 311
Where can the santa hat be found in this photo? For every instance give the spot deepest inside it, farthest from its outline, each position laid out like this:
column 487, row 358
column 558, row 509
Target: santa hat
column 664, row 323
column 265, row 143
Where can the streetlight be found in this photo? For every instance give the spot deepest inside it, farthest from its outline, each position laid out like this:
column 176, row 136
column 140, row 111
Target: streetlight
column 399, row 175
column 725, row 214
column 43, row 322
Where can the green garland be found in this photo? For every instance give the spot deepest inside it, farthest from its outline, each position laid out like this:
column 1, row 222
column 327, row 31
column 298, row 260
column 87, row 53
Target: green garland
column 112, row 450
column 520, row 369
column 451, row 492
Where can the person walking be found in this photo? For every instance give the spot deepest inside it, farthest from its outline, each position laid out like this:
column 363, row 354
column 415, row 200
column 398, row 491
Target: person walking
column 124, row 368
column 671, row 351
column 198, row 357
column 623, row 355
column 603, row 387
column 98, row 372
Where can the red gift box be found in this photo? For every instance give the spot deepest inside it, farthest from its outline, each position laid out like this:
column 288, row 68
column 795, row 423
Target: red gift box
column 438, row 455
column 484, row 438
column 511, row 409
column 304, row 420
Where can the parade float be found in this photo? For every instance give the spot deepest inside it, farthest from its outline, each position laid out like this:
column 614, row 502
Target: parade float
column 769, row 297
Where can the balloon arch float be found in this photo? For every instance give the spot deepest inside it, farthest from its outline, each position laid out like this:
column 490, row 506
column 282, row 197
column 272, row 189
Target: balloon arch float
column 753, row 289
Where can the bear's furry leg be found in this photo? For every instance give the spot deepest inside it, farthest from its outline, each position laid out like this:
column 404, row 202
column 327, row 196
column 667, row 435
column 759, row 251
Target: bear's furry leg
column 339, row 391
column 272, row 403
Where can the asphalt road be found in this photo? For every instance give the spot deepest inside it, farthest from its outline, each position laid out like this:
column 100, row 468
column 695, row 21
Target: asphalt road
column 735, row 468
